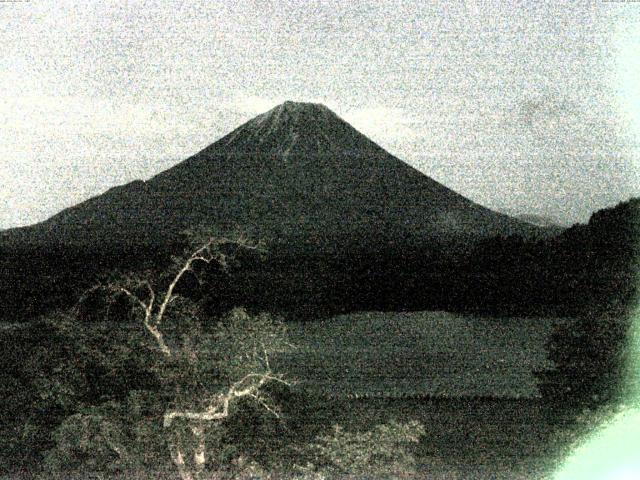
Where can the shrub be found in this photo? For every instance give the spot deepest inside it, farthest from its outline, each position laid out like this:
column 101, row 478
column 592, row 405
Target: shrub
column 385, row 451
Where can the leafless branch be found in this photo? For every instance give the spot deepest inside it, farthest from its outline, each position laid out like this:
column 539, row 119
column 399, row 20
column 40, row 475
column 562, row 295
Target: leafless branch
column 153, row 315
column 219, row 409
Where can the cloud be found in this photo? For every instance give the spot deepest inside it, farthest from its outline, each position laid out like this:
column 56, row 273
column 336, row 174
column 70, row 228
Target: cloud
column 545, row 108
column 379, row 122
column 251, row 104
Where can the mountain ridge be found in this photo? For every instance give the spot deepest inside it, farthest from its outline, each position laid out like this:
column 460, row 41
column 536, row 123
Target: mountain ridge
column 298, row 175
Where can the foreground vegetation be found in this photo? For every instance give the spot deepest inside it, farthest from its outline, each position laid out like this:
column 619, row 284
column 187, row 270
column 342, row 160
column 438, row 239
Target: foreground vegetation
column 168, row 387
column 81, row 399
column 148, row 375
column 103, row 414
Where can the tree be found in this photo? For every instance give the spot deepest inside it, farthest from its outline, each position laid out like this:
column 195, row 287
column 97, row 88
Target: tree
column 592, row 350
column 591, row 353
column 204, row 371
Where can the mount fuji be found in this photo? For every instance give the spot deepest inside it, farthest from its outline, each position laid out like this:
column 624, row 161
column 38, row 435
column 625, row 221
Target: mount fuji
column 298, row 177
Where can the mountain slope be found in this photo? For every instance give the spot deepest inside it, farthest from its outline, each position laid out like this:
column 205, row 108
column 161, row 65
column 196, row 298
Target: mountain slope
column 540, row 221
column 298, row 177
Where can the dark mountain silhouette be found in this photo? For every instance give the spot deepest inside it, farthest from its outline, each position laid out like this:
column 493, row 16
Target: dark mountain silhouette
column 296, row 176
column 347, row 225
column 586, row 267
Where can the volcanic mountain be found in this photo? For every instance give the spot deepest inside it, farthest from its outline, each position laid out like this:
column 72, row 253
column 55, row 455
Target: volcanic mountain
column 298, row 177
column 347, row 225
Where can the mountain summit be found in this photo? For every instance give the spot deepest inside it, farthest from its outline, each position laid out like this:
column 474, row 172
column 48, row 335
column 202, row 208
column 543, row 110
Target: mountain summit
column 295, row 127
column 297, row 176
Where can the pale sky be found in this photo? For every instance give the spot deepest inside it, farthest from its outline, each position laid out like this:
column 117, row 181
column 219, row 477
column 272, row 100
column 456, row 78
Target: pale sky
column 528, row 106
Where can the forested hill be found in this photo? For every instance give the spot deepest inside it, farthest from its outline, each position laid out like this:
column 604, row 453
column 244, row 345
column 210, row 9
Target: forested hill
column 593, row 265
column 586, row 266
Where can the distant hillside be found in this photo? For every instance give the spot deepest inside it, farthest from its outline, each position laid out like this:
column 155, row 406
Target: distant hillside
column 585, row 267
column 598, row 277
column 540, row 221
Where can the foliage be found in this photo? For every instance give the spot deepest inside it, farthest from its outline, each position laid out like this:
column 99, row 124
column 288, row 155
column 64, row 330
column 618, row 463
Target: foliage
column 591, row 354
column 591, row 351
column 242, row 341
column 58, row 368
column 44, row 380
column 111, row 437
column 93, row 394
column 384, row 451
column 111, row 401
column 88, row 441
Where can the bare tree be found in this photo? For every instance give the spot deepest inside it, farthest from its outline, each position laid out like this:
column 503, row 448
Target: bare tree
column 154, row 304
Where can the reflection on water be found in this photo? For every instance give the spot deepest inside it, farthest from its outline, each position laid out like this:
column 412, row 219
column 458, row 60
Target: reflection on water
column 420, row 353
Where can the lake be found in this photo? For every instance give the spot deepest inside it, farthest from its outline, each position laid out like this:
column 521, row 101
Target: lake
column 419, row 354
